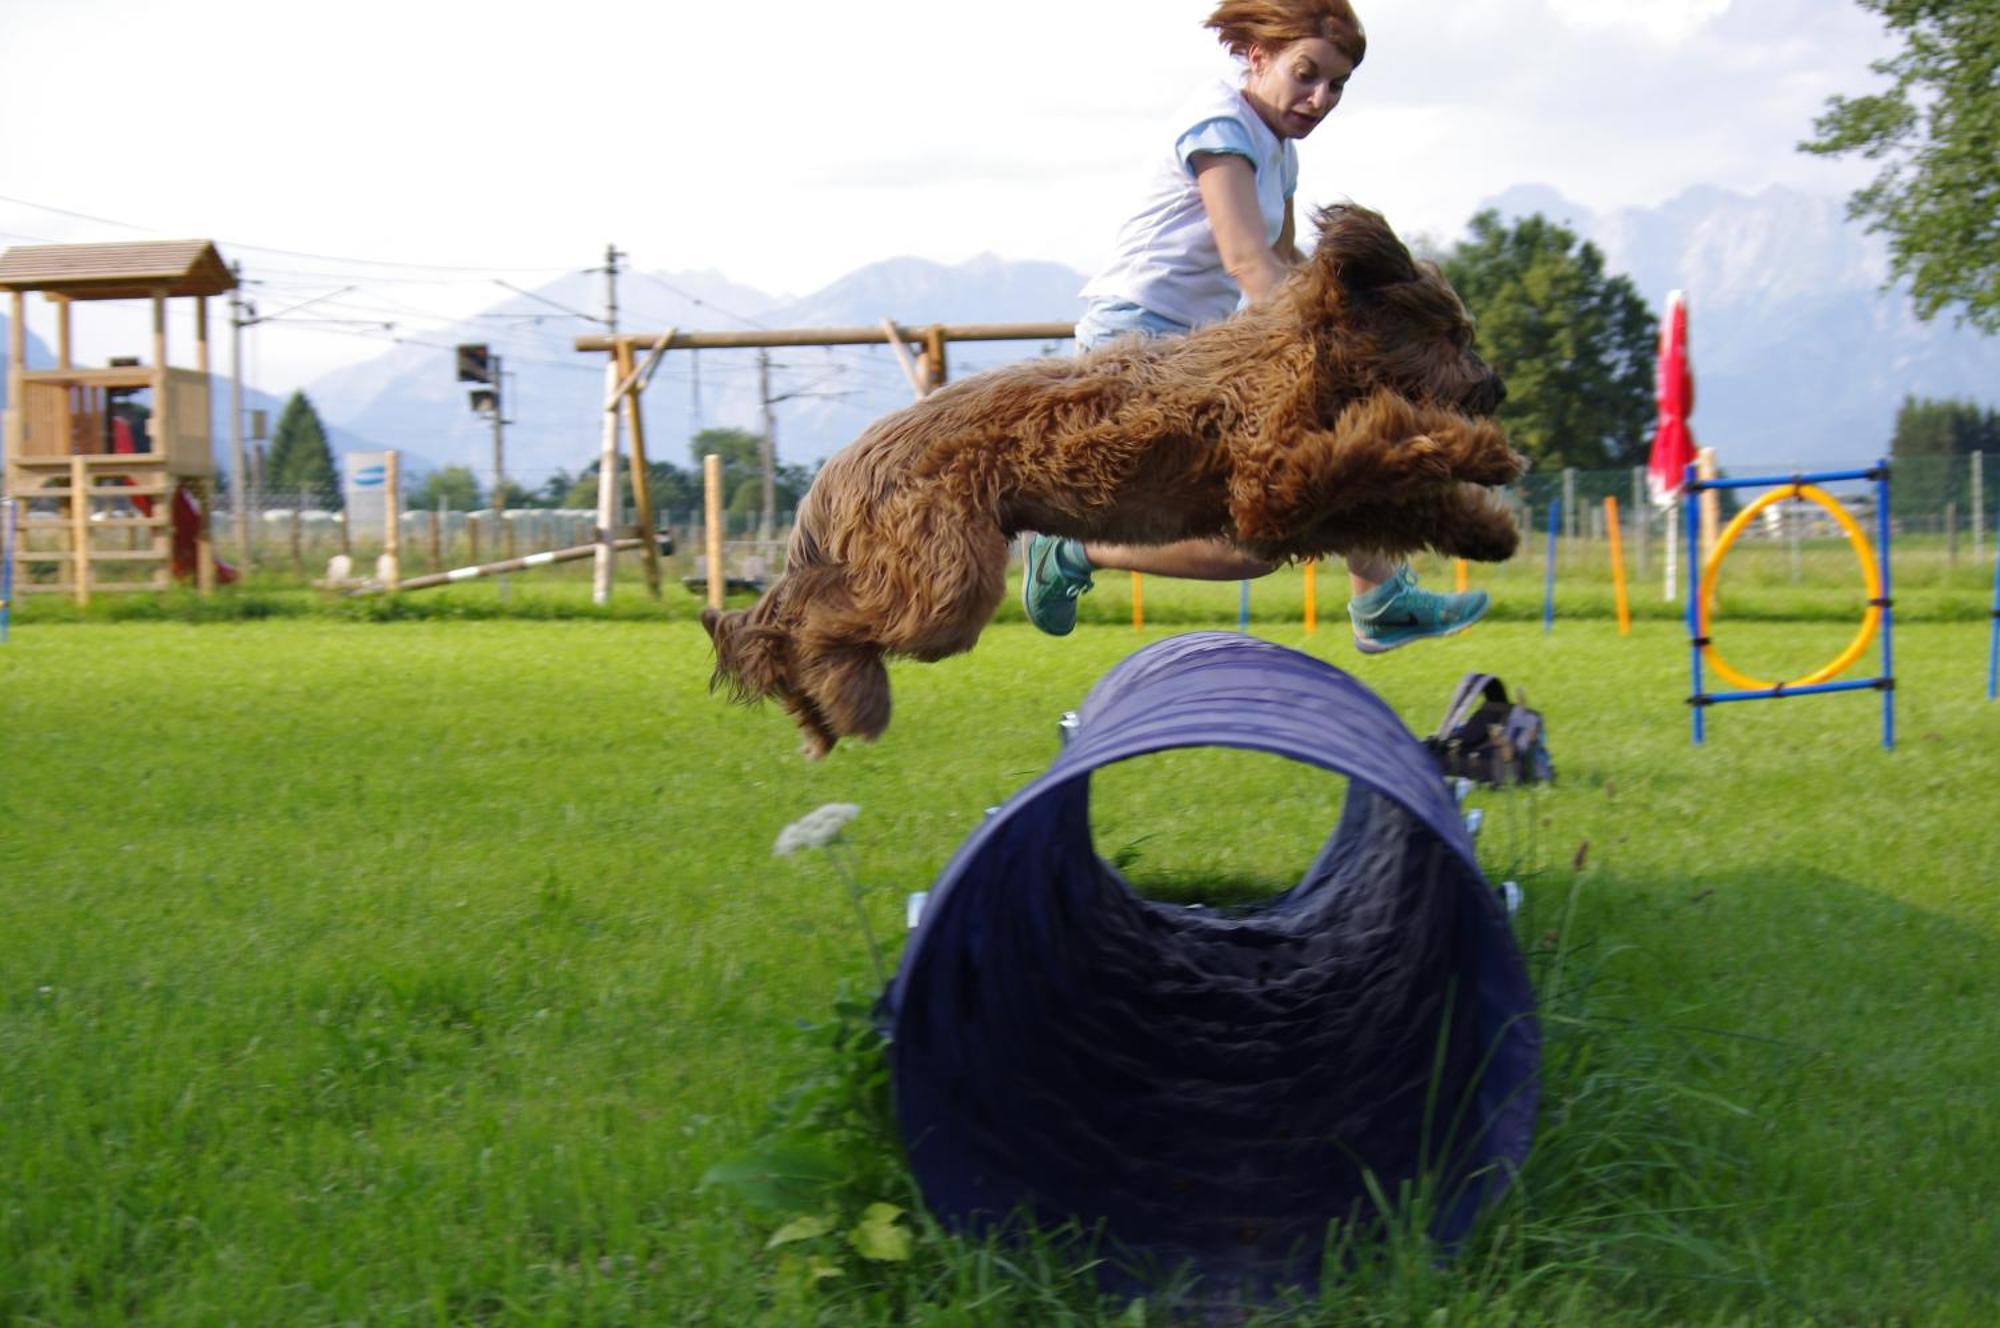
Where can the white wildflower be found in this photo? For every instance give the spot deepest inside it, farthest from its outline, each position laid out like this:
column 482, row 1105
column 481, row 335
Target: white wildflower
column 816, row 829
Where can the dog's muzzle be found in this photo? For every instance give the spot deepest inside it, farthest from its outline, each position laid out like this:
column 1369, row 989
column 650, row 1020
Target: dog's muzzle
column 1486, row 395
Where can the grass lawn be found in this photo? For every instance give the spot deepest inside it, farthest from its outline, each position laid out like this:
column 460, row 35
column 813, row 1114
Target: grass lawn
column 416, row 971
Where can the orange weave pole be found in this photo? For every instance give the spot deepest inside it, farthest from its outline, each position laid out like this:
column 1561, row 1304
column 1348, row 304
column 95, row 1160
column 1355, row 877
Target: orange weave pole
column 1312, row 598
column 1138, row 603
column 1617, row 565
column 1458, row 569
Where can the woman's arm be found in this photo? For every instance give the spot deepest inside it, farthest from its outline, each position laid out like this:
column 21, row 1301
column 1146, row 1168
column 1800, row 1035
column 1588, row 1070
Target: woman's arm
column 1229, row 195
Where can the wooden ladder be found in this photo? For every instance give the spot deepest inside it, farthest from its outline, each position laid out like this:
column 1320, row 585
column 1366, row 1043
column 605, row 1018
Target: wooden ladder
column 82, row 541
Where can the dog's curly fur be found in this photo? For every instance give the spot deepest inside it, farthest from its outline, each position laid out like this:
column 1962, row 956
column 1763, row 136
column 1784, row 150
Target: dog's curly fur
column 1347, row 414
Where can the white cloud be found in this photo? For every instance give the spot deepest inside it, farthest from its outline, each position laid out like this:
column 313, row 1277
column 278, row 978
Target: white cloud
column 823, row 137
column 1661, row 20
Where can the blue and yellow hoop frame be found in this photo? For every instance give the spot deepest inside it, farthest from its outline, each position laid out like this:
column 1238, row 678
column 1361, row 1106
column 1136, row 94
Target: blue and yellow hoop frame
column 1876, row 622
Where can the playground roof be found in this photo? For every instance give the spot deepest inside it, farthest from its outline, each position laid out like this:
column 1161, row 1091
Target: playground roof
column 118, row 271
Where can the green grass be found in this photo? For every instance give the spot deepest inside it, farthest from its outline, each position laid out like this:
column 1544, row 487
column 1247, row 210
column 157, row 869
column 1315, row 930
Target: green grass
column 416, row 971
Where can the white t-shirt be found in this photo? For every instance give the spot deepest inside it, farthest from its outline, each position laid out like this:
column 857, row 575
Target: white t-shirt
column 1166, row 258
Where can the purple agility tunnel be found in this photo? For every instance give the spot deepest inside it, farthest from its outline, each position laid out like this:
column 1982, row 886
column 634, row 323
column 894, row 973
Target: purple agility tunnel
column 1211, row 1088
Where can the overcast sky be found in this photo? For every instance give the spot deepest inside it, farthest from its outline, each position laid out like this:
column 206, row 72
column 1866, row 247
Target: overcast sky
column 515, row 139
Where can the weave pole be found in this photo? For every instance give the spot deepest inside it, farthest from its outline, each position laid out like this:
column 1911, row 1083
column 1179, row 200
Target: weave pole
column 1617, row 566
column 10, row 527
column 1312, row 597
column 1992, row 652
column 1549, row 576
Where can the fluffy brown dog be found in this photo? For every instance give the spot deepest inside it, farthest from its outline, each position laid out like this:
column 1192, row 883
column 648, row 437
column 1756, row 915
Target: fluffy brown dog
column 1345, row 414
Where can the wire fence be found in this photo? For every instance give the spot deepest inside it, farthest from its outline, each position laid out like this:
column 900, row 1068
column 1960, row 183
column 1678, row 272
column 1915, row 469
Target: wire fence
column 1949, row 506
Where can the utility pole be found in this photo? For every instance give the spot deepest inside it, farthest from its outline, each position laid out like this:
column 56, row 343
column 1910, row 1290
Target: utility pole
column 767, row 449
column 607, row 457
column 499, row 456
column 240, row 470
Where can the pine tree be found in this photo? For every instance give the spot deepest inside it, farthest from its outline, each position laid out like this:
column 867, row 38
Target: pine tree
column 301, row 458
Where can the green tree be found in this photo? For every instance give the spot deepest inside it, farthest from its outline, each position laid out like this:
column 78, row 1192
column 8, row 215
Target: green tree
column 1936, row 131
column 671, row 488
column 455, row 486
column 301, row 458
column 1930, row 438
column 1575, row 344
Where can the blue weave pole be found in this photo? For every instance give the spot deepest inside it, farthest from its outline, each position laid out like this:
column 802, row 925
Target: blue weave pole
column 1243, row 606
column 1993, row 651
column 9, row 528
column 1212, row 1087
column 1549, row 576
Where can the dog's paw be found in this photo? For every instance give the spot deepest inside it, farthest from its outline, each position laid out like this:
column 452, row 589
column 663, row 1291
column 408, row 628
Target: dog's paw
column 1487, row 459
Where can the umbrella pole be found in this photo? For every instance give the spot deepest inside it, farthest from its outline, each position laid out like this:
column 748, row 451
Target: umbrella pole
column 1673, row 525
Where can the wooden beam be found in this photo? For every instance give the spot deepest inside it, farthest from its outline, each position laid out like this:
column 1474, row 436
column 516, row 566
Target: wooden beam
column 711, row 488
column 159, row 336
column 642, row 491
column 832, row 336
column 201, row 335
column 903, row 357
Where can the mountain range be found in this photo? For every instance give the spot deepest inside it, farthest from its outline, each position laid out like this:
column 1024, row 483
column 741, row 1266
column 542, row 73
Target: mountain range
column 1801, row 357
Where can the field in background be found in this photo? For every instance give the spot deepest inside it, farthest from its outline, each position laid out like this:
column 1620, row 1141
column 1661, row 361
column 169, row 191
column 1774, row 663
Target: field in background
column 417, row 970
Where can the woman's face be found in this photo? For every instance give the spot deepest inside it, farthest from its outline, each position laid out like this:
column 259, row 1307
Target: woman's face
column 1296, row 86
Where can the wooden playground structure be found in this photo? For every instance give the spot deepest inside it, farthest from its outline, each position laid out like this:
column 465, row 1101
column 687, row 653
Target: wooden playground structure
column 123, row 453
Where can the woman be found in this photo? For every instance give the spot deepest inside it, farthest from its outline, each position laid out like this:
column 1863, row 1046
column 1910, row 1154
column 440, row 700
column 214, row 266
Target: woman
column 1217, row 229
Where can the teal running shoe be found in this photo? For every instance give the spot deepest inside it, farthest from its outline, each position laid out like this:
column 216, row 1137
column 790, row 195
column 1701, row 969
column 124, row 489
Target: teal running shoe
column 1399, row 611
column 1050, row 584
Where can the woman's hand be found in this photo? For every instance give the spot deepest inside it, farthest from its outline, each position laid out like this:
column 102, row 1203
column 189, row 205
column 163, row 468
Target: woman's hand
column 1229, row 195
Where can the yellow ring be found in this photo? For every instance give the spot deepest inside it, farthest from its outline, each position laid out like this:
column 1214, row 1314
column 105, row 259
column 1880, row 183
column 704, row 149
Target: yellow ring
column 1871, row 621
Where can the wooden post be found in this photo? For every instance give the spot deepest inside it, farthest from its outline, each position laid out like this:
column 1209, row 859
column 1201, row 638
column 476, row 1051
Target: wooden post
column 201, row 336
column 910, row 370
column 642, row 490
column 392, row 522
column 204, row 534
column 711, row 490
column 1612, row 533
column 64, row 357
column 1642, row 535
column 17, row 365
column 79, row 529
column 607, row 489
column 1312, row 597
column 1978, row 505
column 936, row 372
column 472, row 533
column 159, row 341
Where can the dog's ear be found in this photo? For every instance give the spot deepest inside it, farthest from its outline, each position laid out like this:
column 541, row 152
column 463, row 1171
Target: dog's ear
column 1359, row 250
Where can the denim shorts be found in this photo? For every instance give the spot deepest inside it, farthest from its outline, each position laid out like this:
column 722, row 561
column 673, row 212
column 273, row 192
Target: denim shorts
column 1106, row 320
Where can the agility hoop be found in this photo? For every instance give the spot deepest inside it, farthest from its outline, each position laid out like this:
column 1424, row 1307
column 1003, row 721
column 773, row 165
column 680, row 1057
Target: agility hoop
column 1871, row 574
column 1876, row 623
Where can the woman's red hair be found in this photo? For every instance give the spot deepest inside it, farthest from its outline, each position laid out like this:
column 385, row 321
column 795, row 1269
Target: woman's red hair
column 1241, row 24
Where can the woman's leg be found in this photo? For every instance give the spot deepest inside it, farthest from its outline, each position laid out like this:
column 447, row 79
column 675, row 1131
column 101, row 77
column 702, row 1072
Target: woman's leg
column 1190, row 560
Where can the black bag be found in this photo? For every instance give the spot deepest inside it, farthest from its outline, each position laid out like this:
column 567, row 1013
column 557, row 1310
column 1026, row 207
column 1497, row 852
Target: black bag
column 1489, row 739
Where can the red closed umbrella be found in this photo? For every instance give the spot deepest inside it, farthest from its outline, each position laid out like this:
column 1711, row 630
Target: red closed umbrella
column 1673, row 387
